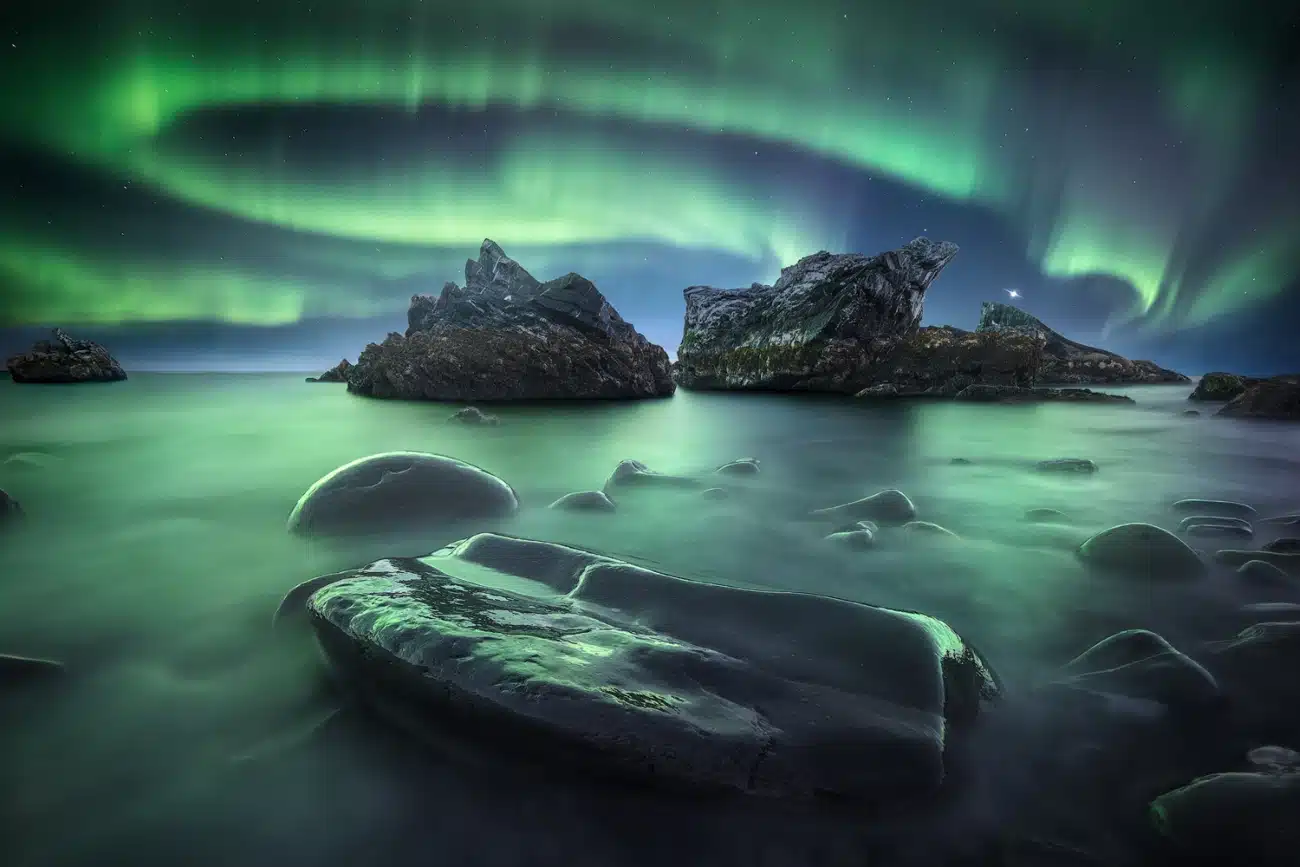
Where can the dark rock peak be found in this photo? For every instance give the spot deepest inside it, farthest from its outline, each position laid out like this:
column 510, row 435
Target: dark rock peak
column 994, row 316
column 497, row 275
column 64, row 358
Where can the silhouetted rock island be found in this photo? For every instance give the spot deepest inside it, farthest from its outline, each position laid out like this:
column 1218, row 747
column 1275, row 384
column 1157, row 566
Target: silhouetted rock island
column 507, row 336
column 1221, row 386
column 1065, row 361
column 337, row 373
column 1275, row 398
column 65, row 359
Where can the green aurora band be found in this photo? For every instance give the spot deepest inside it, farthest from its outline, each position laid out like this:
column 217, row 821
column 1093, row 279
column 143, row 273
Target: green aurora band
column 890, row 90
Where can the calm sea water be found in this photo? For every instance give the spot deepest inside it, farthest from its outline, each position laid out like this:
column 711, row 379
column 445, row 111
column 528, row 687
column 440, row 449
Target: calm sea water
column 155, row 553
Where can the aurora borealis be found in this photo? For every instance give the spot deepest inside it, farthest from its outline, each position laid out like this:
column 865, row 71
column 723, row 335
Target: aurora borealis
column 1129, row 166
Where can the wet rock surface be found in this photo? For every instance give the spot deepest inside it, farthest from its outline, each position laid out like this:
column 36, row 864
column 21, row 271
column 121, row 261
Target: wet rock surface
column 507, row 336
column 1141, row 551
column 589, row 661
column 337, row 373
column 1277, row 398
column 382, row 492
column 584, row 501
column 64, row 359
column 1221, row 386
column 943, row 362
column 885, row 507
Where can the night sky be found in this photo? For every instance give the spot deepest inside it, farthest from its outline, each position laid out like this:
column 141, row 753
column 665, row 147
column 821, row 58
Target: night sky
column 254, row 185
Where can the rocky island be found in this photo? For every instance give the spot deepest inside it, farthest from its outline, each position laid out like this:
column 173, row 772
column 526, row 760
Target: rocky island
column 507, row 336
column 337, row 373
column 65, row 359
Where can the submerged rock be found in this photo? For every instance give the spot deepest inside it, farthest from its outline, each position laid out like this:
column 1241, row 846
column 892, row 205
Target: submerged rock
column 1142, row 551
column 1216, row 508
column 389, row 491
column 586, row 662
column 19, row 670
column 886, row 507
column 859, row 539
column 1141, row 664
column 1219, row 531
column 1233, row 818
column 472, row 415
column 584, row 501
column 928, row 528
column 1066, row 361
column 741, row 467
column 815, row 329
column 1256, row 670
column 630, row 472
column 1081, row 466
column 1282, row 520
column 337, row 373
column 506, row 336
column 715, row 493
column 65, row 359
column 10, row 510
column 1019, row 394
column 1287, row 562
column 1284, row 545
column 1191, row 412
column 1221, row 386
column 1046, row 516
column 1214, row 521
column 1277, row 398
column 1261, row 572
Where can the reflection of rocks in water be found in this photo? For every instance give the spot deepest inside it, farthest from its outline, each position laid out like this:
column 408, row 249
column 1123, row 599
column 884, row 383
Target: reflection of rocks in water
column 589, row 661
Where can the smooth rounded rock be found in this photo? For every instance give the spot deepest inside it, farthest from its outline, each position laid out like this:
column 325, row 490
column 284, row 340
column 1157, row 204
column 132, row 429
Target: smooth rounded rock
column 1286, row 561
column 1141, row 550
column 1213, row 521
column 1261, row 572
column 1080, row 466
column 853, row 526
column 1191, row 412
column 630, row 472
column 1218, row 508
column 1046, row 516
column 1139, row 663
column 584, row 501
column 10, row 510
column 857, row 540
column 1285, row 545
column 1219, row 531
column 887, row 507
column 741, row 467
column 1233, row 818
column 928, row 528
column 472, row 415
column 715, row 494
column 17, row 670
column 396, row 490
column 1282, row 520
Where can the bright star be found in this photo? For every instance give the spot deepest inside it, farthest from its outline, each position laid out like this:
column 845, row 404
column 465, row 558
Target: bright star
column 1012, row 292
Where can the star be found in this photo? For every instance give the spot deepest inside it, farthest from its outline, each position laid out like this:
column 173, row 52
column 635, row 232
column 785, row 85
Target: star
column 1012, row 292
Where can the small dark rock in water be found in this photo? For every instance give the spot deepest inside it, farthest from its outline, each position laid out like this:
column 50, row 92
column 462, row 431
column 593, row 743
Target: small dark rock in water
column 715, row 493
column 474, row 415
column 629, row 472
column 603, row 665
column 1217, row 508
column 1221, row 386
column 1287, row 562
column 1272, row 611
column 1046, row 516
column 742, row 467
column 1066, row 465
column 1261, row 572
column 858, row 540
column 25, row 669
column 1274, row 759
column 964, row 462
column 1191, row 412
column 65, row 359
column 1141, row 550
column 1233, row 818
column 869, row 526
column 1213, row 521
column 389, row 491
column 10, row 510
column 584, row 501
column 1283, row 520
column 1277, row 398
column 337, row 373
column 1219, row 531
column 1285, row 545
column 1141, row 664
column 886, row 507
column 984, row 393
column 928, row 528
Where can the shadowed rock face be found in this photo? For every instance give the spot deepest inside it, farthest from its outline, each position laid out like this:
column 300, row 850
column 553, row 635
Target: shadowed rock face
column 1221, row 386
column 1065, row 361
column 507, row 336
column 586, row 661
column 65, row 359
column 1276, row 398
column 337, row 373
column 944, row 361
column 816, row 329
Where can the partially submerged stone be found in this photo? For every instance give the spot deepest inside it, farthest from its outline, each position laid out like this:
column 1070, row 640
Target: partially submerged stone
column 630, row 472
column 928, row 528
column 1143, row 551
column 1219, row 531
column 384, row 492
column 18, row 670
column 1141, row 664
column 741, row 467
column 10, row 510
column 1241, row 818
column 1286, row 561
column 1212, row 521
column 886, row 507
column 1262, row 572
column 587, row 661
column 1081, row 466
column 584, row 501
column 860, row 539
column 1284, row 545
column 1218, row 508
column 1046, row 516
column 472, row 415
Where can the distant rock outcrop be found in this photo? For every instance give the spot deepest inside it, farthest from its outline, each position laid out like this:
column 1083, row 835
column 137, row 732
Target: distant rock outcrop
column 1065, row 361
column 65, row 359
column 337, row 373
column 945, row 361
column 818, row 328
column 981, row 393
column 507, row 336
column 1275, row 398
column 1221, row 386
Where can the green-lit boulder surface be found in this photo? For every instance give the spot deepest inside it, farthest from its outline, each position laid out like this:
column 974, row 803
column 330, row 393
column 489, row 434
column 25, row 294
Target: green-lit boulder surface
column 584, row 661
column 400, row 489
column 1143, row 551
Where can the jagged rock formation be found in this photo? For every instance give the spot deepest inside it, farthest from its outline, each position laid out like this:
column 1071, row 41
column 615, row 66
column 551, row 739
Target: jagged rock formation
column 1065, row 361
column 818, row 328
column 1275, row 398
column 507, row 336
column 337, row 373
column 945, row 361
column 65, row 359
column 1221, row 386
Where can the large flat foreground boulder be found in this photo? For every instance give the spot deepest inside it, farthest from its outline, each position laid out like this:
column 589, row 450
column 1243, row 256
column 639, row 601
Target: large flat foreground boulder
column 589, row 661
